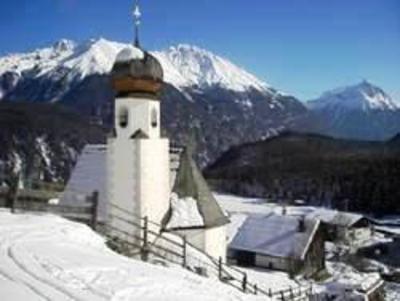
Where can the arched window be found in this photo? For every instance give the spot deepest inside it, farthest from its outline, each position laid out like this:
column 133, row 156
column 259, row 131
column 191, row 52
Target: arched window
column 154, row 118
column 123, row 117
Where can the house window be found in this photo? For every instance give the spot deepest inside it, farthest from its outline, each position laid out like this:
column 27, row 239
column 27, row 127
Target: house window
column 154, row 118
column 123, row 117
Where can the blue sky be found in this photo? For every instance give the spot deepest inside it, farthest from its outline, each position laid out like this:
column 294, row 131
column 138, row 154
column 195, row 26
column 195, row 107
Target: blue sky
column 302, row 47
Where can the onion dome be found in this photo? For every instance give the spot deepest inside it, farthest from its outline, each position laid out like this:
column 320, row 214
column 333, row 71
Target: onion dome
column 137, row 72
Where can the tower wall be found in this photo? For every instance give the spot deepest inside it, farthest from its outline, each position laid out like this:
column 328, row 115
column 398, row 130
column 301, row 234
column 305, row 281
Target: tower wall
column 154, row 188
column 122, row 184
column 140, row 114
column 137, row 165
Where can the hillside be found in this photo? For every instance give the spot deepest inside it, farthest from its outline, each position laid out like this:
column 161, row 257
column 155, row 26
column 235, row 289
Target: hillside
column 203, row 91
column 318, row 169
column 42, row 141
column 44, row 257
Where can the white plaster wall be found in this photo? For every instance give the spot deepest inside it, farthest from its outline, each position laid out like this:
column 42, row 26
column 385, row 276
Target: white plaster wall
column 216, row 242
column 122, row 184
column 211, row 241
column 139, row 116
column 277, row 263
column 195, row 237
column 154, row 178
column 137, row 169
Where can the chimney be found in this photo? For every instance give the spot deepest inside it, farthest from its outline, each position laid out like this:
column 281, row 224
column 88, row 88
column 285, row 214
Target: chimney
column 284, row 210
column 302, row 225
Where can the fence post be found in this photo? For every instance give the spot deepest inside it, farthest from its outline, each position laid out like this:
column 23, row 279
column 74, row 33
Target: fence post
column 145, row 247
column 282, row 296
column 14, row 195
column 14, row 199
column 220, row 268
column 184, row 250
column 95, row 205
column 270, row 292
column 244, row 282
column 291, row 293
column 255, row 289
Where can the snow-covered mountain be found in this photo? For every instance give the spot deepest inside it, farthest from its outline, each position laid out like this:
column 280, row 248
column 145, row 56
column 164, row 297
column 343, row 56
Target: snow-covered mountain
column 202, row 91
column 190, row 66
column 361, row 97
column 185, row 66
column 362, row 111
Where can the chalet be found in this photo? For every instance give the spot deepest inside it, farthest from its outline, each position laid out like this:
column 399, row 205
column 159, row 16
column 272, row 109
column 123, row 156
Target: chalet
column 346, row 227
column 279, row 242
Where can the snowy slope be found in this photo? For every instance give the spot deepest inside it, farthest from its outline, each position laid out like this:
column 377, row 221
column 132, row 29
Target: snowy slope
column 364, row 96
column 94, row 56
column 44, row 257
column 188, row 66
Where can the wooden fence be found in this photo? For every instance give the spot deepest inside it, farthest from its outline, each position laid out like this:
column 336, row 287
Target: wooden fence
column 151, row 240
column 155, row 242
column 35, row 202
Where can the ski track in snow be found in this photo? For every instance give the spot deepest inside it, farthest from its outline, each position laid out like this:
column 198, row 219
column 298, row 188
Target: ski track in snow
column 27, row 275
column 44, row 257
column 27, row 271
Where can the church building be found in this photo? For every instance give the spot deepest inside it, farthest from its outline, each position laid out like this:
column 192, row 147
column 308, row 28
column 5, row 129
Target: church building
column 135, row 181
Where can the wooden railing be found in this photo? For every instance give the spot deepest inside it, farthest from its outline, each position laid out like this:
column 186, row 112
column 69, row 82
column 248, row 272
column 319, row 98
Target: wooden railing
column 152, row 240
column 35, row 203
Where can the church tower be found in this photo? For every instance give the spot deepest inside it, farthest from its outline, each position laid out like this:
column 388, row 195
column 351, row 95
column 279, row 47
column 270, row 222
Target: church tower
column 138, row 157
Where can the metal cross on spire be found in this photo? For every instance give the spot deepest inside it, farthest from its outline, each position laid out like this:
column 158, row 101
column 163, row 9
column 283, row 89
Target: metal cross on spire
column 137, row 16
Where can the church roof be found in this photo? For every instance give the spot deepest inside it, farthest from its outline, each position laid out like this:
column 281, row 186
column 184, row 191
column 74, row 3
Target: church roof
column 190, row 183
column 137, row 64
column 88, row 175
column 129, row 53
column 136, row 72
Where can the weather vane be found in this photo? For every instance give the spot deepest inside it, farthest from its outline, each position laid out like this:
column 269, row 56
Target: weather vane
column 137, row 15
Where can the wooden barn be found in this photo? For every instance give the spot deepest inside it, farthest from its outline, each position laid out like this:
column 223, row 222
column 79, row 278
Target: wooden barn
column 278, row 242
column 346, row 227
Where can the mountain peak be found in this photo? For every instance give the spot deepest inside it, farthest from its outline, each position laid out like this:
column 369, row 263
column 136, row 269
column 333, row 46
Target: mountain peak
column 191, row 66
column 64, row 45
column 363, row 96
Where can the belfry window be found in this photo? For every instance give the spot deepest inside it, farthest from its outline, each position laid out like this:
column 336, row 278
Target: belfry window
column 154, row 118
column 123, row 117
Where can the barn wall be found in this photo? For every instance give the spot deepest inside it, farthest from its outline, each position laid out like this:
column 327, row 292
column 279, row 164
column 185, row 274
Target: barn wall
column 275, row 263
column 358, row 235
column 314, row 260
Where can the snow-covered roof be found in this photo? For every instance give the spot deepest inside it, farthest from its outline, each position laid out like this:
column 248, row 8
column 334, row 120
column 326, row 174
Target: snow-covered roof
column 184, row 213
column 129, row 53
column 89, row 175
column 190, row 183
column 334, row 217
column 275, row 235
